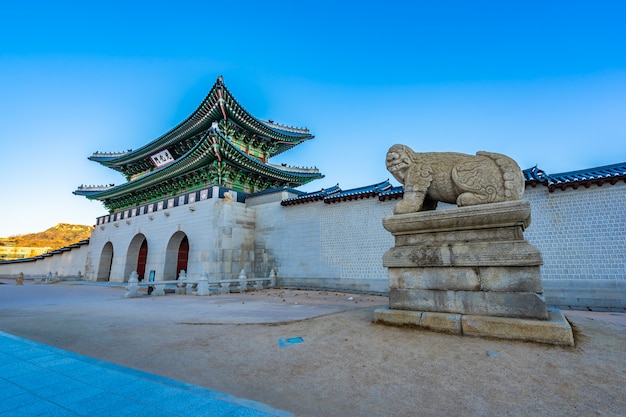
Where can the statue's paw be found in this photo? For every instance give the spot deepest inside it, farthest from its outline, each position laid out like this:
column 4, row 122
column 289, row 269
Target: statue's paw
column 471, row 199
column 406, row 206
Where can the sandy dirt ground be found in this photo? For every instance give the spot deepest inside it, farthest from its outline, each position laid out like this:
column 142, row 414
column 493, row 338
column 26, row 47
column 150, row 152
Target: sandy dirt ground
column 344, row 365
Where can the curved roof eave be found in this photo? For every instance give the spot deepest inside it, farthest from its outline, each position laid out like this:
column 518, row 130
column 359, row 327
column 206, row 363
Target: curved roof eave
column 246, row 161
column 86, row 193
column 186, row 163
column 207, row 112
column 199, row 155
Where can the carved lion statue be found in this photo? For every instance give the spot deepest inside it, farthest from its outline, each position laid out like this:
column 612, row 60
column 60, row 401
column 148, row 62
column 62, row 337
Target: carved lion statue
column 453, row 178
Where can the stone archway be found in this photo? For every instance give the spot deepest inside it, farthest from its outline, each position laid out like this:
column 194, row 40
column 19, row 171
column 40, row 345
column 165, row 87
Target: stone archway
column 106, row 260
column 176, row 255
column 136, row 257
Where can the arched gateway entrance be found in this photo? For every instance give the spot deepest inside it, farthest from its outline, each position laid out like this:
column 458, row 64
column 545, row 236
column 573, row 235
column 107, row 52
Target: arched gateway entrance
column 136, row 257
column 106, row 259
column 176, row 255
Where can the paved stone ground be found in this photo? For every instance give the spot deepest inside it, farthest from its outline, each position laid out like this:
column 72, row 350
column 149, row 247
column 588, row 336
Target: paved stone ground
column 41, row 380
column 316, row 353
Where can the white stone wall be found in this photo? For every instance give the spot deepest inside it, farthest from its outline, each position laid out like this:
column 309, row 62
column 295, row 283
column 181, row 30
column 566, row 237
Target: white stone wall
column 580, row 233
column 270, row 197
column 65, row 264
column 289, row 237
column 158, row 228
column 232, row 246
column 353, row 239
column 582, row 237
column 327, row 245
column 220, row 234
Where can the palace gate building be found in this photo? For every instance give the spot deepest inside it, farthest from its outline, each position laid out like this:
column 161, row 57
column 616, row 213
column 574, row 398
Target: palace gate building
column 205, row 198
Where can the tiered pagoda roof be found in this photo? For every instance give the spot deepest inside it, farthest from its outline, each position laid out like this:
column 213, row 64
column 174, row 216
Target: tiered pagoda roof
column 220, row 143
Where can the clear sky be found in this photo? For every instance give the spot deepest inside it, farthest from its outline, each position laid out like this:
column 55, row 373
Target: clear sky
column 541, row 81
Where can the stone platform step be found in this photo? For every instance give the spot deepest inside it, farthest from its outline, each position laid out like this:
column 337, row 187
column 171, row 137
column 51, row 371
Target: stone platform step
column 556, row 330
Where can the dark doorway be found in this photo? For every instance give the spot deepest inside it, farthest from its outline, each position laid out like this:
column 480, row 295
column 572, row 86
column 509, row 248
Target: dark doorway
column 176, row 256
column 183, row 255
column 141, row 259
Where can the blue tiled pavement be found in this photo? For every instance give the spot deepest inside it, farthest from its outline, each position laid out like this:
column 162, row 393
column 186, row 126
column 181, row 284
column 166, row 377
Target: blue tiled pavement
column 37, row 379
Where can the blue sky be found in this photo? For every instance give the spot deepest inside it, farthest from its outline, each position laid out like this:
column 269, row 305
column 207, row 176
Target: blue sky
column 544, row 82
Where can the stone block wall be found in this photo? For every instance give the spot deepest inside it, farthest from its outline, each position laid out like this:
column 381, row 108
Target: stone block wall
column 220, row 235
column 582, row 236
column 67, row 264
column 318, row 245
column 232, row 247
column 580, row 233
column 290, row 239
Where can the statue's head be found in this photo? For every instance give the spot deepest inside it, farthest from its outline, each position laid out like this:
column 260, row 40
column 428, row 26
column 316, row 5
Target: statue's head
column 398, row 161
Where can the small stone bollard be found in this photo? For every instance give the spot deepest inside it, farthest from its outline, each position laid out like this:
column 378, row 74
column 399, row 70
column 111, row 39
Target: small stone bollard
column 20, row 279
column 180, row 288
column 133, row 285
column 272, row 283
column 203, row 284
column 243, row 281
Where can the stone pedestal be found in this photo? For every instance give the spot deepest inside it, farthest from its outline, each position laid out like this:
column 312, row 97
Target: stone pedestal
column 469, row 271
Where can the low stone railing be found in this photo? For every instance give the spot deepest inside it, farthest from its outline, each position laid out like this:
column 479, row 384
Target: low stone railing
column 48, row 278
column 201, row 286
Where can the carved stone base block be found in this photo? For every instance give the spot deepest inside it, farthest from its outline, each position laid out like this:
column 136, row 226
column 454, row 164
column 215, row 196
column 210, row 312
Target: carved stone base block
column 469, row 271
column 488, row 303
column 556, row 330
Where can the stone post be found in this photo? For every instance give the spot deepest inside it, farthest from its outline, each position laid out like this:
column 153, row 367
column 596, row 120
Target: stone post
column 133, row 285
column 203, row 284
column 180, row 287
column 243, row 281
column 258, row 285
column 188, row 285
column 182, row 277
column 20, row 279
column 272, row 283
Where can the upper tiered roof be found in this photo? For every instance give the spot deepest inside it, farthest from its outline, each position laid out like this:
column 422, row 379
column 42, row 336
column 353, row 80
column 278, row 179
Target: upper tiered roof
column 219, row 143
column 218, row 105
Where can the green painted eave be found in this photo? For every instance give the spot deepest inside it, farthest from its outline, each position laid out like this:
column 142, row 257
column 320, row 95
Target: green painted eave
column 214, row 146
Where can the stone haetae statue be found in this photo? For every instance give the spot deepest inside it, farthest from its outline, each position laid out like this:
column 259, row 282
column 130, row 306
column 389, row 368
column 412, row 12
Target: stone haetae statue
column 453, row 178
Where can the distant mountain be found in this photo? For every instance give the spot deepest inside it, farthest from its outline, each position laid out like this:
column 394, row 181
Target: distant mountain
column 56, row 237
